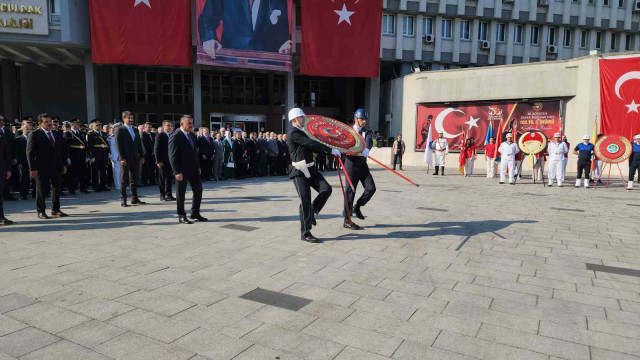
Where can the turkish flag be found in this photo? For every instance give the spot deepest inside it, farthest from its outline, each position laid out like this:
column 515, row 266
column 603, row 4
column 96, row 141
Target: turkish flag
column 341, row 38
column 141, row 32
column 619, row 90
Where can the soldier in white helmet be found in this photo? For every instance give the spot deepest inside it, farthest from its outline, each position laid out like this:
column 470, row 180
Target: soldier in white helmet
column 508, row 151
column 634, row 161
column 440, row 148
column 556, row 150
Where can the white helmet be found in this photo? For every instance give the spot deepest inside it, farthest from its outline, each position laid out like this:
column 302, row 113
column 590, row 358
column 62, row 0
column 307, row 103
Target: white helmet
column 295, row 112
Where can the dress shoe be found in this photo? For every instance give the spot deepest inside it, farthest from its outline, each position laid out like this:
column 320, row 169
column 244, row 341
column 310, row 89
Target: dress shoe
column 184, row 220
column 198, row 217
column 59, row 213
column 351, row 225
column 357, row 213
column 137, row 201
column 6, row 221
column 124, row 204
column 310, row 238
column 163, row 199
column 170, row 198
column 43, row 216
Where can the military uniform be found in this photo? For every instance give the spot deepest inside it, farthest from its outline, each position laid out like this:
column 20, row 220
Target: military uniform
column 440, row 149
column 508, row 153
column 99, row 149
column 77, row 155
column 556, row 150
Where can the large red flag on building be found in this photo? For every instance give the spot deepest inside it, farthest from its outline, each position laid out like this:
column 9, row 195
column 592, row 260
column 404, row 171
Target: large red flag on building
column 341, row 38
column 619, row 90
column 141, row 32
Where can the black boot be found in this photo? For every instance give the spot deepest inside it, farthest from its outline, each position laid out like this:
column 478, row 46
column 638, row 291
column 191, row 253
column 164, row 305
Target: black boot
column 437, row 169
column 442, row 168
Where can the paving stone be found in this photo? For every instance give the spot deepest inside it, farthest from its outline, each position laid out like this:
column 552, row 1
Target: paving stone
column 367, row 291
column 354, row 336
column 384, row 308
column 591, row 338
column 536, row 312
column 322, row 294
column 571, row 307
column 66, row 298
column 15, row 301
column 102, row 288
column 156, row 302
column 299, row 344
column 492, row 317
column 460, row 297
column 212, row 344
column 327, row 311
column 25, row 341
column 256, row 352
column 356, row 354
column 152, row 325
column 586, row 299
column 411, row 300
column 483, row 349
column 9, row 325
column 286, row 319
column 91, row 333
column 64, row 350
column 496, row 293
column 47, row 317
column 602, row 354
column 547, row 283
column 234, row 324
column 407, row 287
column 132, row 346
column 190, row 294
column 415, row 351
column 100, row 309
column 445, row 322
column 416, row 331
column 613, row 327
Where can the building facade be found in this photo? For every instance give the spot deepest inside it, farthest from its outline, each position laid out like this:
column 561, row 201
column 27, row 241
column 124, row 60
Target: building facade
column 47, row 67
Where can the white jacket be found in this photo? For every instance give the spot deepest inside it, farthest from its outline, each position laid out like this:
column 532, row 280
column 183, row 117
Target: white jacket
column 557, row 150
column 508, row 151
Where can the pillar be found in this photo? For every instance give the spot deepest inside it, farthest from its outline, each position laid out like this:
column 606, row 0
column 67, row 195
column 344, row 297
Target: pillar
column 91, row 88
column 197, row 95
column 9, row 88
column 372, row 102
column 290, row 97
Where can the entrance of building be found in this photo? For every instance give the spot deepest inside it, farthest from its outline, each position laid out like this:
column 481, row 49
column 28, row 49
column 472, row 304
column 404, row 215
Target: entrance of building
column 248, row 123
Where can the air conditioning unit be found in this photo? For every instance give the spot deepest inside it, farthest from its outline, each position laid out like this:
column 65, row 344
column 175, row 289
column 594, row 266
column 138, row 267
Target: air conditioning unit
column 552, row 49
column 636, row 6
column 543, row 2
column 484, row 44
column 428, row 39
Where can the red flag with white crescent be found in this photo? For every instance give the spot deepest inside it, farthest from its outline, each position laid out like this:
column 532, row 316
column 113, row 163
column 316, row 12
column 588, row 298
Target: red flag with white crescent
column 620, row 96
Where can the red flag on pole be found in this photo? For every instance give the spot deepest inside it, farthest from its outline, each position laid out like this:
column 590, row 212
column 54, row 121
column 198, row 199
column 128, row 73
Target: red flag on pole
column 141, row 32
column 341, row 38
column 619, row 90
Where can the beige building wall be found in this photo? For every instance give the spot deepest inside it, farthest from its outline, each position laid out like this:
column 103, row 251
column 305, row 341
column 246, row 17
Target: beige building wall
column 575, row 81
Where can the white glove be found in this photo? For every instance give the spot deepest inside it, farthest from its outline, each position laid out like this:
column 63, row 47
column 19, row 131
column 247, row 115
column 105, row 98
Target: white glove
column 93, row 160
column 69, row 162
column 335, row 152
column 365, row 152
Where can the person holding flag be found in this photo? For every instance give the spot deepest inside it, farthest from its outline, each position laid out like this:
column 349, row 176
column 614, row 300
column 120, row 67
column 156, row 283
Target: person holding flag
column 596, row 164
column 428, row 150
column 508, row 150
column 441, row 147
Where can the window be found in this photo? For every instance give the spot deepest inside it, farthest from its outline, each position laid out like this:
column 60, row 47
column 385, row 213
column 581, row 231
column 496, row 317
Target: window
column 484, row 29
column 591, row 2
column 140, row 87
column 249, row 90
column 305, row 86
column 620, row 3
column 598, row 40
column 517, row 38
column 446, row 28
column 407, row 25
column 551, row 36
column 535, row 35
column 500, row 32
column 388, row 24
column 584, row 39
column 574, row 1
column 567, row 38
column 176, row 88
column 464, row 30
column 427, row 26
column 54, row 6
column 627, row 42
column 605, row 2
column 614, row 45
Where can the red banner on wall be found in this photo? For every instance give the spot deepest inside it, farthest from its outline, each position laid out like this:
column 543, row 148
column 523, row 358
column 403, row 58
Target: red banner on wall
column 473, row 119
column 619, row 90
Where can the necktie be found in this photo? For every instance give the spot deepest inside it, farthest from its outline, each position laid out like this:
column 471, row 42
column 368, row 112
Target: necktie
column 189, row 139
column 250, row 5
column 53, row 142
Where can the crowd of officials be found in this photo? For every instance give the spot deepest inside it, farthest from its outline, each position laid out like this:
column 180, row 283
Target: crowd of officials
column 44, row 157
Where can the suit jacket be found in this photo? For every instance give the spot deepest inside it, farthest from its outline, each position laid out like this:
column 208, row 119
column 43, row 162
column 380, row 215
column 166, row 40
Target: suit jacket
column 361, row 161
column 238, row 31
column 148, row 143
column 20, row 150
column 205, row 146
column 129, row 149
column 302, row 147
column 9, row 137
column 161, row 148
column 47, row 159
column 5, row 154
column 182, row 155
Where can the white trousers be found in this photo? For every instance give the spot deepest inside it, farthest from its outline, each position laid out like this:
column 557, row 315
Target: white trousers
column 491, row 168
column 539, row 168
column 440, row 156
column 555, row 171
column 516, row 168
column 471, row 162
column 468, row 167
column 565, row 161
column 597, row 170
column 504, row 164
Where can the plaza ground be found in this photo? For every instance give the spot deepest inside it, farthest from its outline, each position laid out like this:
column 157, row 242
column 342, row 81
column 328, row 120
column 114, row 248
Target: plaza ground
column 459, row 268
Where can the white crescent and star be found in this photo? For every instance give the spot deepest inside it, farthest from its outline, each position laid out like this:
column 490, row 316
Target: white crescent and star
column 473, row 122
column 440, row 122
column 631, row 75
column 138, row 2
column 345, row 15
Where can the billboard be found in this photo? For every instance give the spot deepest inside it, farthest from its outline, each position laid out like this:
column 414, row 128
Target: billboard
column 473, row 119
column 252, row 34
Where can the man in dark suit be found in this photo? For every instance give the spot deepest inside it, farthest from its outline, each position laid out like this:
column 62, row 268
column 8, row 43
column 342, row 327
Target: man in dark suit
column 77, row 154
column 206, row 151
column 9, row 137
column 46, row 156
column 99, row 149
column 183, row 155
column 20, row 153
column 5, row 170
column 161, row 152
column 148, row 177
column 131, row 154
column 251, row 146
column 305, row 174
column 261, row 25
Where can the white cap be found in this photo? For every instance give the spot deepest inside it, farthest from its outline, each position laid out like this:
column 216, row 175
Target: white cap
column 557, row 135
column 586, row 137
column 509, row 135
column 295, row 112
column 637, row 137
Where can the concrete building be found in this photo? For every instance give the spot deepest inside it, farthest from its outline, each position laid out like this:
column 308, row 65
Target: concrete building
column 48, row 67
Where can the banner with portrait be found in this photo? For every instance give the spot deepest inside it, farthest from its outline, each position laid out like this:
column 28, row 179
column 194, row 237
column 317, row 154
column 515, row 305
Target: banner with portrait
column 465, row 120
column 252, row 34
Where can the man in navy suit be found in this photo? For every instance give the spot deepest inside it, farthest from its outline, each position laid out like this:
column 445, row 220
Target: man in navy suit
column 260, row 25
column 183, row 156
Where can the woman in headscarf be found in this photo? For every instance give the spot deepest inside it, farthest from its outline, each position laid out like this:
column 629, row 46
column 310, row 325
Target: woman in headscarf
column 228, row 160
column 240, row 156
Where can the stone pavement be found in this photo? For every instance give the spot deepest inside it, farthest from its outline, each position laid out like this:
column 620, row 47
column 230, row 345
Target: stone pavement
column 131, row 283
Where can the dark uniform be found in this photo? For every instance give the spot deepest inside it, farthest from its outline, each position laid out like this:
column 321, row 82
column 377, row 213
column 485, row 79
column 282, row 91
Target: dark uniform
column 262, row 150
column 25, row 181
column 634, row 163
column 358, row 170
column 301, row 147
column 5, row 166
column 251, row 147
column 99, row 149
column 148, row 173
column 585, row 152
column 206, row 150
column 9, row 137
column 165, row 173
column 77, row 153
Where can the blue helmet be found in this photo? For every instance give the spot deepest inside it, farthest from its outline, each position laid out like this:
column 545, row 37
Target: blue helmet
column 361, row 114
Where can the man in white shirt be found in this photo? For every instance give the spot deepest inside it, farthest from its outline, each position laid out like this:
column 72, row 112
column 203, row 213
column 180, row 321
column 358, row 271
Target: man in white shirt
column 508, row 151
column 556, row 149
column 440, row 147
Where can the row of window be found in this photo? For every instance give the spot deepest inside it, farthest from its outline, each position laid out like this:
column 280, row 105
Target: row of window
column 408, row 26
